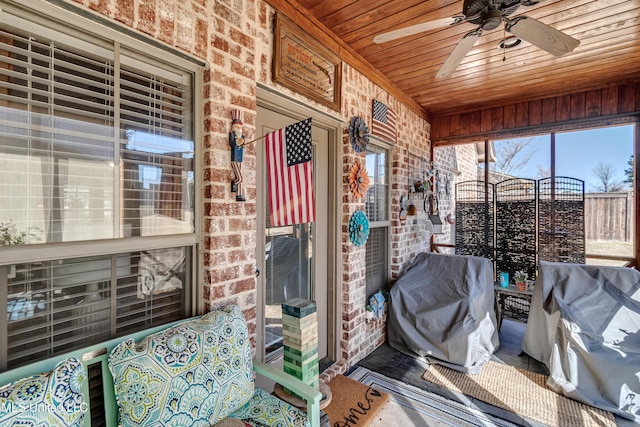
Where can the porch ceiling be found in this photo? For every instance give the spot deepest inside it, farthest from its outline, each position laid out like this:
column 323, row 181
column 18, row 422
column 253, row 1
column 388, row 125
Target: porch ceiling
column 609, row 49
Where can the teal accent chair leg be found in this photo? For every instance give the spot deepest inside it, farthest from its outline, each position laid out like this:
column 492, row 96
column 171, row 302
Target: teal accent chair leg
column 308, row 393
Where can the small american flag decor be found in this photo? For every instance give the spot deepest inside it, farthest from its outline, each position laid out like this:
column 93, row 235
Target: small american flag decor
column 384, row 122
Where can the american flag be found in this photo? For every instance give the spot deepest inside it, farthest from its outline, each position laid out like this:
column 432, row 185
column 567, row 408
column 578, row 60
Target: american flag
column 289, row 174
column 384, row 122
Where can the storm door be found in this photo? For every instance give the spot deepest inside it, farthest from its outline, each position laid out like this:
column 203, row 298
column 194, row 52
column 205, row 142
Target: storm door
column 292, row 259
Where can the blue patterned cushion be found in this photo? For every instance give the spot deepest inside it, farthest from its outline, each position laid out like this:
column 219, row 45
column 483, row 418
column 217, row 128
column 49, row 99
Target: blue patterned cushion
column 51, row 399
column 193, row 374
column 265, row 410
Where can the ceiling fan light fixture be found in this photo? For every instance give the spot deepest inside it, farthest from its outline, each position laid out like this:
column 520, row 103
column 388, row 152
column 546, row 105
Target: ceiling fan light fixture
column 491, row 20
column 509, row 42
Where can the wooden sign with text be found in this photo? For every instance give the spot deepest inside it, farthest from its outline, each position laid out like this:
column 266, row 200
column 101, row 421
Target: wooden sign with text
column 305, row 66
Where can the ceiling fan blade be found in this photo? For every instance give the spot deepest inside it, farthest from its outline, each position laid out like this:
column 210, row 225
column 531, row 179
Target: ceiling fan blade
column 545, row 37
column 418, row 28
column 462, row 48
column 530, row 3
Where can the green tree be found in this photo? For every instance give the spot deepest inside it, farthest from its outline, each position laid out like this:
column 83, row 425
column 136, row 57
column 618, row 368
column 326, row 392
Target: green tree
column 629, row 172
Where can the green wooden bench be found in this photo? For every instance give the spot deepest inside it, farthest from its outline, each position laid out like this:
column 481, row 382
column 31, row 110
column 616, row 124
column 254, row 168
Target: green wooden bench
column 95, row 360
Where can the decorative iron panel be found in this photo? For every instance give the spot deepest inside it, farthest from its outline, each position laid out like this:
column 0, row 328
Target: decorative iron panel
column 561, row 235
column 475, row 219
column 516, row 226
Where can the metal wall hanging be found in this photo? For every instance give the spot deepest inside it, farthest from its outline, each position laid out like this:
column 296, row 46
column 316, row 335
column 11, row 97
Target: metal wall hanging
column 424, row 185
column 358, row 134
column 358, row 228
column 358, row 180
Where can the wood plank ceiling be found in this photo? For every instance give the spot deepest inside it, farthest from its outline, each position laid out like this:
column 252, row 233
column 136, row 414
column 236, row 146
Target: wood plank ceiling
column 609, row 50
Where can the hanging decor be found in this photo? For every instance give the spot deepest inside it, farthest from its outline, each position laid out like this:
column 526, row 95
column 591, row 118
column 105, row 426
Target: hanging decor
column 358, row 134
column 358, row 180
column 447, row 186
column 236, row 141
column 419, row 187
column 411, row 210
column 438, row 183
column 403, row 208
column 305, row 65
column 383, row 122
column 358, row 228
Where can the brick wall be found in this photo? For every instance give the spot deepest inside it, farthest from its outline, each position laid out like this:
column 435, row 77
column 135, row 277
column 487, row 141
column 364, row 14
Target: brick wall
column 445, row 162
column 234, row 39
column 458, row 163
column 409, row 236
column 467, row 158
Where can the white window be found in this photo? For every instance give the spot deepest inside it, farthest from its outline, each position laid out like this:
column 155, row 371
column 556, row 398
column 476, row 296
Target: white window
column 97, row 222
column 377, row 208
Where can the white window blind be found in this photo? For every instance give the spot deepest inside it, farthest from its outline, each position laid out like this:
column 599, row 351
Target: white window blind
column 57, row 306
column 89, row 151
column 377, row 260
column 377, row 196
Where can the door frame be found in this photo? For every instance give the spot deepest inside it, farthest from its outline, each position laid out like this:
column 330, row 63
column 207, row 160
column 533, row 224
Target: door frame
column 268, row 98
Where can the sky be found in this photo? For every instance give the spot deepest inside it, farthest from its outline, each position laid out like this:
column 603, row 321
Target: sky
column 578, row 153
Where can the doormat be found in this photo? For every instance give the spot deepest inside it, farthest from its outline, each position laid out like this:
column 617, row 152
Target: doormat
column 522, row 392
column 411, row 406
column 353, row 404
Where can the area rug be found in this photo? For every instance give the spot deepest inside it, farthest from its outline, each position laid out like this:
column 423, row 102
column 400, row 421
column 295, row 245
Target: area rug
column 412, row 406
column 353, row 404
column 522, row 392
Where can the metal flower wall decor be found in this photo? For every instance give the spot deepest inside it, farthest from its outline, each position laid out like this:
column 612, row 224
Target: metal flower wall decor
column 358, row 228
column 358, row 180
column 358, row 134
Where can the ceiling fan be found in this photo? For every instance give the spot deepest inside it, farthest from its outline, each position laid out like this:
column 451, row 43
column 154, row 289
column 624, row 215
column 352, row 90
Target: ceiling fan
column 489, row 15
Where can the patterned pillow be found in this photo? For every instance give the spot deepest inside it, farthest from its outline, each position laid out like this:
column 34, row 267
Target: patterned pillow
column 264, row 409
column 193, row 374
column 51, row 399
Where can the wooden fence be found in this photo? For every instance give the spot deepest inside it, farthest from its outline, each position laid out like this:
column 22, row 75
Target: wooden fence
column 609, row 216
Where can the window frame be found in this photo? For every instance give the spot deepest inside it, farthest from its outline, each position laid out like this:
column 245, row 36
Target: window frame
column 67, row 22
column 379, row 145
column 51, row 17
column 548, row 139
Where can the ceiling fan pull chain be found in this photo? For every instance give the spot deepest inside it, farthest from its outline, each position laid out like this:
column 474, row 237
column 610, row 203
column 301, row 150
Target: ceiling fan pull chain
column 504, row 42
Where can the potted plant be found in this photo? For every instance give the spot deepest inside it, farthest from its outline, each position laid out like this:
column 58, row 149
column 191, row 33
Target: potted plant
column 521, row 280
column 9, row 235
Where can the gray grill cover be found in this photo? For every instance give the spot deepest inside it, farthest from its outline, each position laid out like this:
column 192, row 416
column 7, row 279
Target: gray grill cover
column 442, row 308
column 584, row 325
